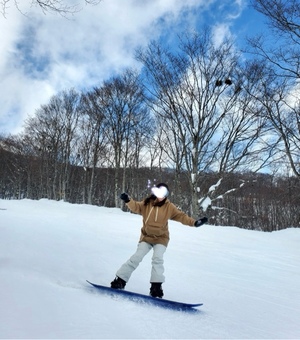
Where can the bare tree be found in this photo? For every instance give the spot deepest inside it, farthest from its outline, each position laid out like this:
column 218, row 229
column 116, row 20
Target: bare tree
column 128, row 124
column 280, row 105
column 279, row 56
column 196, row 94
column 92, row 144
column 282, row 48
column 52, row 135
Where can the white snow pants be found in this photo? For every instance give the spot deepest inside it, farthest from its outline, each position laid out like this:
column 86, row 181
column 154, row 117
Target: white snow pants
column 157, row 272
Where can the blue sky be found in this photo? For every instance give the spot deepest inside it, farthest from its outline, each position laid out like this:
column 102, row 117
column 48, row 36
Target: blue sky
column 41, row 55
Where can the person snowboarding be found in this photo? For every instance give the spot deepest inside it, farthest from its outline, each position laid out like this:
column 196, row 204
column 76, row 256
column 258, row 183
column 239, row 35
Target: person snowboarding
column 156, row 210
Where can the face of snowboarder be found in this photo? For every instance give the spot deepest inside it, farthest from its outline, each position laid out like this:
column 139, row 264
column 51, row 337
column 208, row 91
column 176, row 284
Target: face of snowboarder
column 160, row 192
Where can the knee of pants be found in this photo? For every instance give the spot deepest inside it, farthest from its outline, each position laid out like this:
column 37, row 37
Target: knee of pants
column 158, row 255
column 136, row 258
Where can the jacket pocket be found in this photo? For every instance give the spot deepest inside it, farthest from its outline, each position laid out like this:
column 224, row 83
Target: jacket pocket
column 155, row 231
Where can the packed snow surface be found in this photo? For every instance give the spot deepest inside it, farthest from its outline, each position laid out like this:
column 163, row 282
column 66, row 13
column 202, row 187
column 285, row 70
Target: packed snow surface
column 247, row 280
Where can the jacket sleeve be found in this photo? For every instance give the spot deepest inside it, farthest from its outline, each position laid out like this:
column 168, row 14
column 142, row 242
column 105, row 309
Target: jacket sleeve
column 180, row 216
column 135, row 206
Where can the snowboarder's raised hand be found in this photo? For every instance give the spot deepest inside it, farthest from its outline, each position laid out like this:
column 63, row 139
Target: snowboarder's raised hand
column 125, row 197
column 200, row 222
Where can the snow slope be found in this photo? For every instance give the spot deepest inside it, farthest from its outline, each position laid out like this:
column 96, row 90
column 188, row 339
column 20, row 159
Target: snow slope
column 248, row 281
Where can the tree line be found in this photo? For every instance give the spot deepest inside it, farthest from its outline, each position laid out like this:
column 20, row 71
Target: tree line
column 249, row 200
column 202, row 118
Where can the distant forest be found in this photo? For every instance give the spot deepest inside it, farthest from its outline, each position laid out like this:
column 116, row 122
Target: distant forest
column 247, row 200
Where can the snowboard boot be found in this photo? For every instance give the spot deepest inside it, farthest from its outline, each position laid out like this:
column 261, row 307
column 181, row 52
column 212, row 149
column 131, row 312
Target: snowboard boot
column 156, row 290
column 118, row 283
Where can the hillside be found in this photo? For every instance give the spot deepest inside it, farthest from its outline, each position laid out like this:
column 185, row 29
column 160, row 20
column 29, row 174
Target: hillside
column 248, row 281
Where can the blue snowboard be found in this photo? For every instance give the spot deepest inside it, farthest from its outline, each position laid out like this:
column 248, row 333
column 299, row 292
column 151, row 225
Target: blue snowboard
column 147, row 298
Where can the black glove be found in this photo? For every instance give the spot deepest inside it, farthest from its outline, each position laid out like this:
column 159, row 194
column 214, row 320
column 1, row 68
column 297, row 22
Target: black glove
column 125, row 197
column 201, row 221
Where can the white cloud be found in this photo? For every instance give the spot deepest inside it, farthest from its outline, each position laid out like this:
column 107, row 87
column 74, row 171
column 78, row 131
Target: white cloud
column 41, row 55
column 239, row 6
column 220, row 33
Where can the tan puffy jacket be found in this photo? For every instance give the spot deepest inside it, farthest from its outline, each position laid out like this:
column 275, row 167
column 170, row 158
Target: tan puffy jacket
column 155, row 220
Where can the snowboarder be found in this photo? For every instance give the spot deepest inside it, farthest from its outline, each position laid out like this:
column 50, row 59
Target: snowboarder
column 156, row 210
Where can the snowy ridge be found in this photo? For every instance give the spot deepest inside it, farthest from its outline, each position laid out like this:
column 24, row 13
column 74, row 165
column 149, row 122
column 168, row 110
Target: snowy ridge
column 248, row 281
